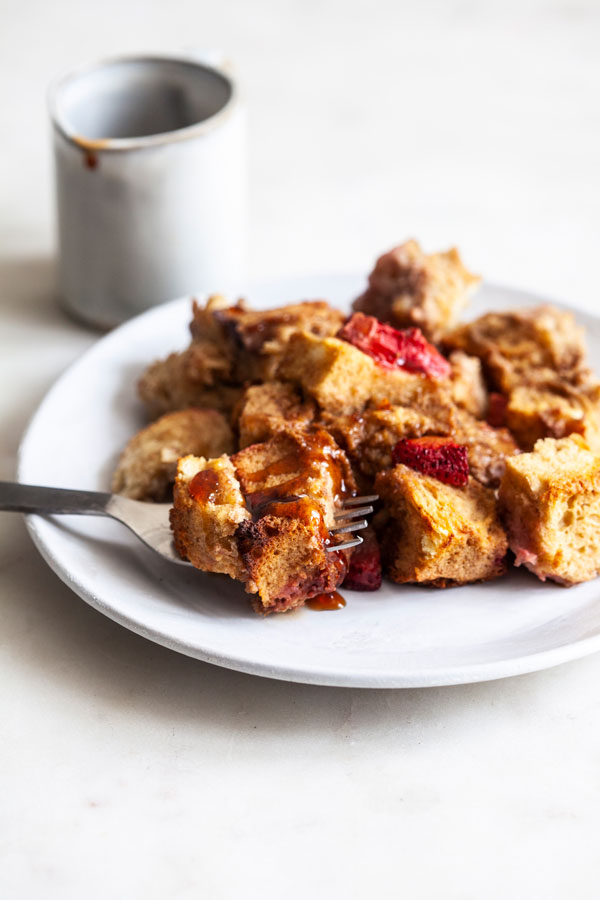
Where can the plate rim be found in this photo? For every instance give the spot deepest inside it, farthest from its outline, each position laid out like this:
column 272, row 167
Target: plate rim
column 335, row 676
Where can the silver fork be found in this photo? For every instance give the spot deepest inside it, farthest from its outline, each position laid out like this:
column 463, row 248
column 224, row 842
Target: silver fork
column 353, row 506
column 148, row 521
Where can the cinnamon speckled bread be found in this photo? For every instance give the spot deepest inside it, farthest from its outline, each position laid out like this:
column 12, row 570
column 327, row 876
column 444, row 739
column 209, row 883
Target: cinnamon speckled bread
column 266, row 408
column 528, row 346
column 263, row 516
column 433, row 533
column 182, row 380
column 331, row 371
column 555, row 409
column 408, row 287
column 370, row 437
column 259, row 339
column 467, row 385
column 147, row 467
column 208, row 507
column 550, row 503
column 343, row 380
column 231, row 345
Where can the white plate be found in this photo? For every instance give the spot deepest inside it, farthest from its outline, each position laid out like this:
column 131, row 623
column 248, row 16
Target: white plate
column 396, row 637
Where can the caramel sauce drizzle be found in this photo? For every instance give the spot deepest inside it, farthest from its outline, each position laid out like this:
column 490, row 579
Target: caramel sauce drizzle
column 287, row 497
column 323, row 602
column 204, row 486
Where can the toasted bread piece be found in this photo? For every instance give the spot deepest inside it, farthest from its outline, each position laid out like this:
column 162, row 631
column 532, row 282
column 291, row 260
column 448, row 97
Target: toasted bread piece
column 183, row 380
column 295, row 462
column 467, row 385
column 265, row 408
column 208, row 507
column 263, row 516
column 336, row 374
column 433, row 533
column 231, row 345
column 529, row 346
column 286, row 557
column 370, row 437
column 293, row 484
column 259, row 338
column 556, row 409
column 396, row 387
column 343, row 380
column 408, row 287
column 147, row 467
column 550, row 503
column 488, row 447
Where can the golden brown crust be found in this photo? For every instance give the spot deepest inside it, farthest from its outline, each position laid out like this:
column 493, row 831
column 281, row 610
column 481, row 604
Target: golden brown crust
column 205, row 527
column 230, row 346
column 370, row 437
column 287, row 562
column 433, row 533
column 467, row 384
column 147, row 467
column 259, row 339
column 183, row 380
column 527, row 347
column 263, row 516
column 409, row 288
column 550, row 503
column 267, row 408
column 555, row 409
column 333, row 372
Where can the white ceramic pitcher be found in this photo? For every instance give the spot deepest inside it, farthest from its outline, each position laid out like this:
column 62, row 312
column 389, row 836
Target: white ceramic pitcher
column 150, row 178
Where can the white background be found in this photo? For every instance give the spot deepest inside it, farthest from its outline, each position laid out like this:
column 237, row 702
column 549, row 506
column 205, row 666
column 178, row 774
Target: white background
column 128, row 771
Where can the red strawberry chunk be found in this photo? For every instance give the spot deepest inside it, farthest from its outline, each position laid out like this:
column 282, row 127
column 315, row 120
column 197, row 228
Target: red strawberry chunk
column 496, row 414
column 436, row 456
column 391, row 348
column 364, row 571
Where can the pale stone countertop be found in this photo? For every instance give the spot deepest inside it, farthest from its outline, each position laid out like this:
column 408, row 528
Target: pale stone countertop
column 129, row 771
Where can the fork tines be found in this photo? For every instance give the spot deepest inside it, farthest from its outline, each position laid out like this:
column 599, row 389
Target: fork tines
column 348, row 521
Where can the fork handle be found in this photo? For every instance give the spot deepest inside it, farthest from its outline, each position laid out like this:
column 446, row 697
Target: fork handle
column 28, row 498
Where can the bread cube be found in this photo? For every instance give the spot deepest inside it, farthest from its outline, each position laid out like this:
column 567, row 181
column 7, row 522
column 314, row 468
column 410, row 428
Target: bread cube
column 147, row 467
column 553, row 410
column 550, row 503
column 186, row 379
column 488, row 447
column 467, row 385
column 267, row 408
column 528, row 346
column 286, row 557
column 208, row 507
column 231, row 345
column 295, row 462
column 259, row 338
column 434, row 533
column 264, row 516
column 336, row 374
column 408, row 287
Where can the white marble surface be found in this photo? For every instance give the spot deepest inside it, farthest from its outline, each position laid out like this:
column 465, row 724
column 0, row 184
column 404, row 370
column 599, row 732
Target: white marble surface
column 129, row 771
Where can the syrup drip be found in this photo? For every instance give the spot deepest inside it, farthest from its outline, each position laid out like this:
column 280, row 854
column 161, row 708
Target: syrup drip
column 323, row 602
column 312, row 453
column 204, row 486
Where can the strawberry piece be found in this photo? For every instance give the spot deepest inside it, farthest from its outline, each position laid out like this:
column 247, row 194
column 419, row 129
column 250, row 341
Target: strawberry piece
column 364, row 570
column 391, row 348
column 496, row 414
column 436, row 456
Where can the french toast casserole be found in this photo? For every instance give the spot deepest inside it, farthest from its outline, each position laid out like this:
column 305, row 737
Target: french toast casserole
column 481, row 439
